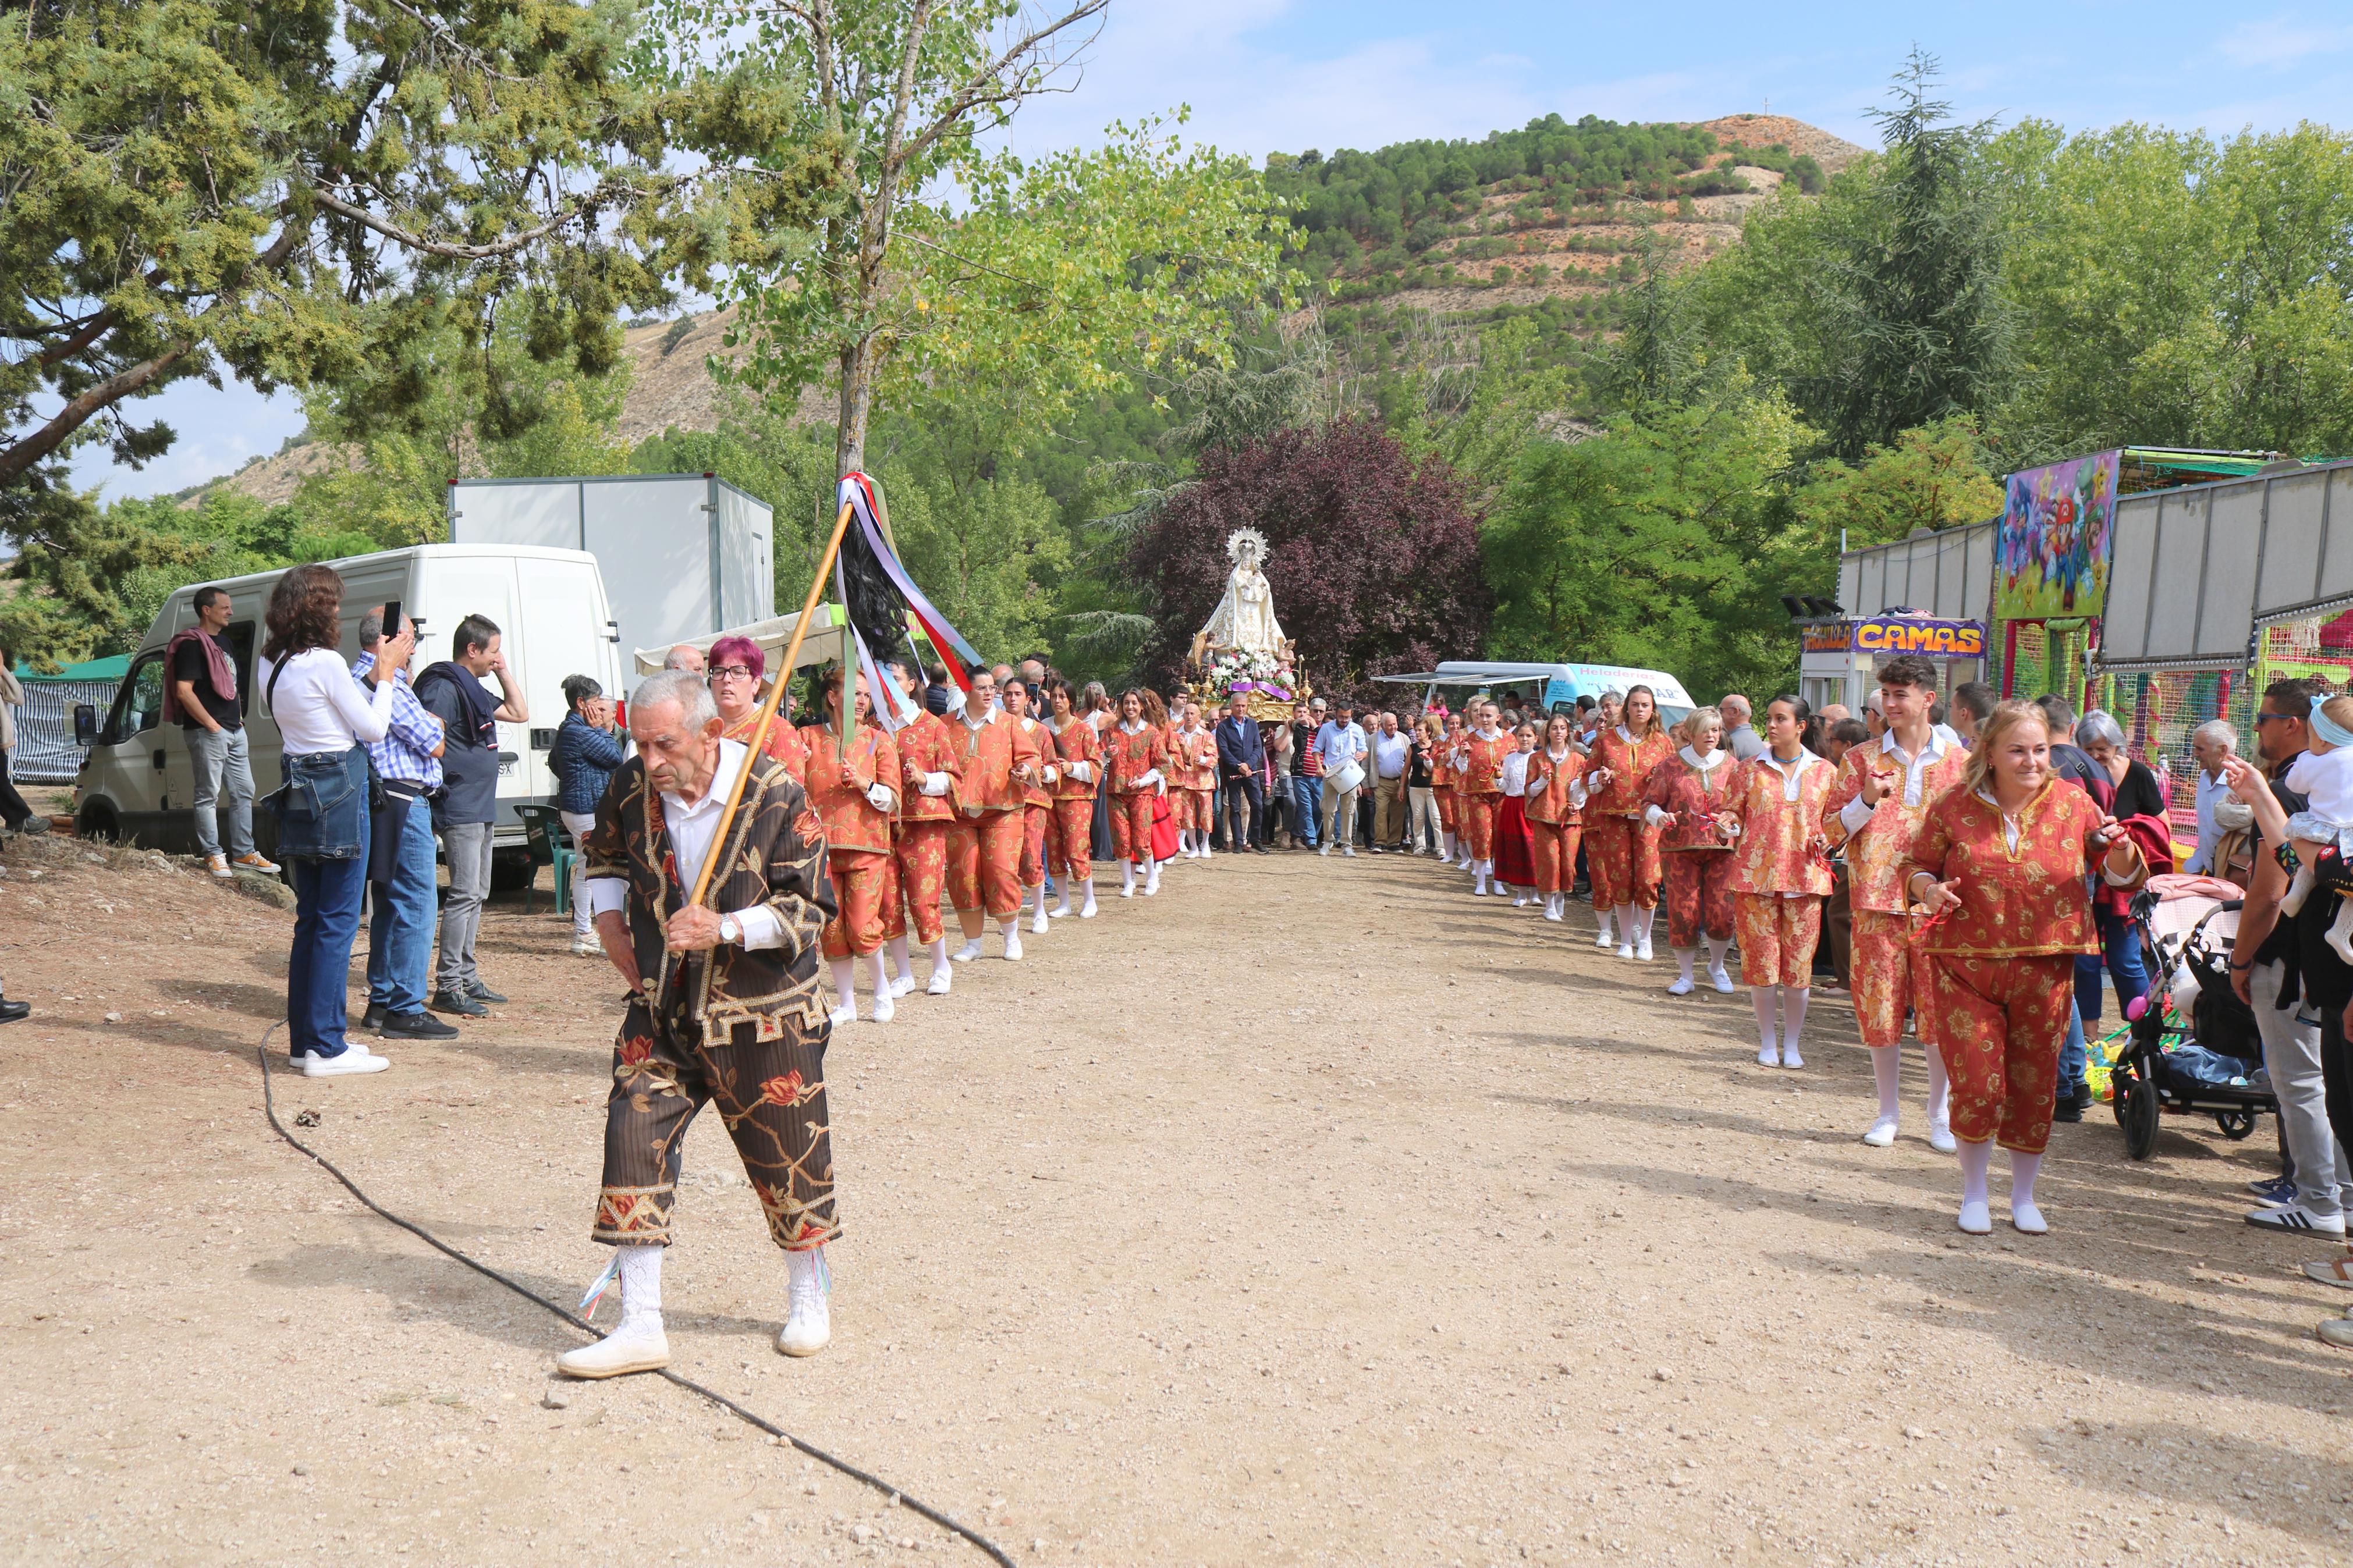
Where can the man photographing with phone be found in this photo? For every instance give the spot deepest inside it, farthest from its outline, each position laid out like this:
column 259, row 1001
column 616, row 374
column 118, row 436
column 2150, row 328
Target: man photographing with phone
column 453, row 692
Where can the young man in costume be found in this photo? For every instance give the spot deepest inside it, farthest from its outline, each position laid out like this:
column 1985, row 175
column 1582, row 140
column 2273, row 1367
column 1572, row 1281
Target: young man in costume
column 929, row 763
column 1026, row 703
column 724, row 1004
column 999, row 761
column 1877, row 809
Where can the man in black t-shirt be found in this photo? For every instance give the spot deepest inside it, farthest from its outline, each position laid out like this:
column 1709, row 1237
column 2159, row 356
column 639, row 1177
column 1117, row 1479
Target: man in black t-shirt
column 200, row 676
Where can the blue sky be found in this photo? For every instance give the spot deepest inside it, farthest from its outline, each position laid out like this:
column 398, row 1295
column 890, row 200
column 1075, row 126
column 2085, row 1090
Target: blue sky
column 1269, row 76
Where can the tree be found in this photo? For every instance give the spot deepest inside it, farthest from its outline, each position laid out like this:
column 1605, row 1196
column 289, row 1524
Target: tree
column 1373, row 557
column 1916, row 319
column 948, row 265
column 276, row 190
column 1661, row 543
column 1932, row 478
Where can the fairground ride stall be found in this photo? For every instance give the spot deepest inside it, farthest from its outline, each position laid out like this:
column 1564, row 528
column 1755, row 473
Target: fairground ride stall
column 1925, row 595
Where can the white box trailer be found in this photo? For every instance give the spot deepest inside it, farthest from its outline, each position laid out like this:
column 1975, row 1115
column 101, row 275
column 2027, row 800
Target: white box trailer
column 136, row 782
column 683, row 556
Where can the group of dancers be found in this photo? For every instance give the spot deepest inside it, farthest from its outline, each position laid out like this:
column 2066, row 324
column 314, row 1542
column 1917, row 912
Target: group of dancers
column 1002, row 802
column 1969, row 870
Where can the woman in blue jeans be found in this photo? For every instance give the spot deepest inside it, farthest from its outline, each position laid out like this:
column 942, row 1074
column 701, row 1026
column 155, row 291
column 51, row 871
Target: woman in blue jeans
column 322, row 812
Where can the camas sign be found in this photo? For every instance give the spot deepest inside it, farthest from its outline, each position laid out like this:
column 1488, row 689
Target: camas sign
column 1899, row 633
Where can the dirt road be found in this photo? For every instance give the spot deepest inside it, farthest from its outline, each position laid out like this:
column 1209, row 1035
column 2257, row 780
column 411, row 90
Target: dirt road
column 1309, row 1212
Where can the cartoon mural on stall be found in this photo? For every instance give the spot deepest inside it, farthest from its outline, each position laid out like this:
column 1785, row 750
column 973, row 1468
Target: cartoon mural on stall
column 2051, row 553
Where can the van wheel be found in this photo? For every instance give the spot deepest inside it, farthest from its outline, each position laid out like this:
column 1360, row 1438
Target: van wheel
column 97, row 820
column 512, row 873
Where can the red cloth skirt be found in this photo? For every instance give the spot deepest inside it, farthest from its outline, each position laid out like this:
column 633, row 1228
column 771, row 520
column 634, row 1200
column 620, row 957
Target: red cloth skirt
column 1164, row 830
column 1514, row 856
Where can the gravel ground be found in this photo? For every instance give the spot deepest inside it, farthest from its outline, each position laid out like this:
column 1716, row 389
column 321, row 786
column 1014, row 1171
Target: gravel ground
column 1309, row 1212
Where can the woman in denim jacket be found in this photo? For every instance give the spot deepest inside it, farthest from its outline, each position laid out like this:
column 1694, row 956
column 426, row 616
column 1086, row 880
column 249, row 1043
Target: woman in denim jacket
column 323, row 811
column 587, row 749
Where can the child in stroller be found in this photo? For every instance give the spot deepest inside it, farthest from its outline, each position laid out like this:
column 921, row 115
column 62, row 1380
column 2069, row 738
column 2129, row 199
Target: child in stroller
column 2195, row 1046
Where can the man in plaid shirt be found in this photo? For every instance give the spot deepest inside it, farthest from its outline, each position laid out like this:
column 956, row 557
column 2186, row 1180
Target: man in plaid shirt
column 400, row 855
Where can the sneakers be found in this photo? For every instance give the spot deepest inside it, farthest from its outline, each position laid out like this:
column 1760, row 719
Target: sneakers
column 417, row 1025
column 218, row 865
column 1642, row 950
column 372, row 1019
column 904, row 984
column 886, row 1006
column 14, row 1012
column 1882, row 1134
column 1976, row 1218
column 1348, row 852
column 843, row 1016
column 1326, row 849
column 2027, row 1220
column 2278, row 1190
column 355, row 1059
column 586, row 947
column 1719, row 979
column 1038, row 922
column 942, row 978
column 251, row 861
column 2338, row 1332
column 1013, row 947
column 1605, row 939
column 32, row 828
column 1789, row 1057
column 482, row 993
column 1626, row 950
column 968, row 952
column 1769, row 1055
column 2298, row 1218
column 1680, row 986
column 464, row 1007
column 1940, row 1137
column 638, row 1345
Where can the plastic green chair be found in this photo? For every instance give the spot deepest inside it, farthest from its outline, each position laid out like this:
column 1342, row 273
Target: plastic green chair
column 544, row 835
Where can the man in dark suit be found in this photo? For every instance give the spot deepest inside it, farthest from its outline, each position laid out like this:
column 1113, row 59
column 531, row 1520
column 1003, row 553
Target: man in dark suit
column 1240, row 753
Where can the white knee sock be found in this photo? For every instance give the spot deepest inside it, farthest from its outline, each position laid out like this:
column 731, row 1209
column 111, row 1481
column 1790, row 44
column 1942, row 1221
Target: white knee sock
column 1887, row 1070
column 641, row 1286
column 1716, row 948
column 939, row 951
column 1626, row 937
column 1977, row 1159
column 1793, row 1015
column 1763, row 997
column 881, row 975
column 904, row 959
column 845, row 982
column 1683, row 958
column 1647, row 917
column 2023, row 1169
column 1940, row 1088
column 1127, row 876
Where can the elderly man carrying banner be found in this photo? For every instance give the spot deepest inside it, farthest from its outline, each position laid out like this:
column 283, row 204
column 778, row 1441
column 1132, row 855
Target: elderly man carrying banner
column 724, row 1005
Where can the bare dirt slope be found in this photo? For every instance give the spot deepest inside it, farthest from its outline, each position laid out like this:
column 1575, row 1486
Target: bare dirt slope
column 1309, row 1212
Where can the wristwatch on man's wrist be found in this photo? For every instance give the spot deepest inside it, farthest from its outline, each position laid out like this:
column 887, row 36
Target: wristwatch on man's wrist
column 730, row 930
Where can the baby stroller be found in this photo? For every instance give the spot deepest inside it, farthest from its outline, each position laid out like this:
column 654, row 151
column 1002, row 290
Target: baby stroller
column 2195, row 1050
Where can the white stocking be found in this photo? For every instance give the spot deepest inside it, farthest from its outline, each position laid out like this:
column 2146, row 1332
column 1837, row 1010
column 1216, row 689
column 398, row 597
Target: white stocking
column 1940, row 1087
column 2023, row 1168
column 904, row 959
column 1887, row 1070
column 1716, row 948
column 1793, row 1014
column 939, row 951
column 1684, row 957
column 1977, row 1159
column 1763, row 997
column 881, row 975
column 845, row 981
column 641, row 1284
column 1626, row 937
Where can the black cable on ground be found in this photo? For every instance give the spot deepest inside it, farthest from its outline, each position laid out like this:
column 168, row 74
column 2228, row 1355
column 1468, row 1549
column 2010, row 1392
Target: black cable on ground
column 269, row 1109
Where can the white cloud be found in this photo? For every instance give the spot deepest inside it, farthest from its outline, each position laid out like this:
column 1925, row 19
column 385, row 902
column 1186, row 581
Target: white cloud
column 2281, row 42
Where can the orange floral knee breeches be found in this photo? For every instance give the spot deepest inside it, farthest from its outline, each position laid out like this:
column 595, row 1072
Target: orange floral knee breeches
column 923, row 876
column 1699, row 897
column 1777, row 937
column 985, row 862
column 1998, row 1024
column 859, row 886
column 1131, row 826
column 1071, row 839
column 1553, row 847
column 1891, row 976
column 1621, row 855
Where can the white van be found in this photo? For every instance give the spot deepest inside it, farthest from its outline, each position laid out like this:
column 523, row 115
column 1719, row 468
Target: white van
column 1544, row 685
column 136, row 782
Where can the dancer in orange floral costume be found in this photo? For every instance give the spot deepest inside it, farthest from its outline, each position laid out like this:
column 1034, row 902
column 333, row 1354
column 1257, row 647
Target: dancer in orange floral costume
column 929, row 766
column 725, row 1006
column 2000, row 866
column 1621, row 851
column 1194, row 782
column 853, row 789
column 1556, row 800
column 1078, row 748
column 1682, row 800
column 1479, row 790
column 1454, row 849
column 1781, row 873
column 1135, row 763
column 1037, row 799
column 1884, row 790
column 999, row 762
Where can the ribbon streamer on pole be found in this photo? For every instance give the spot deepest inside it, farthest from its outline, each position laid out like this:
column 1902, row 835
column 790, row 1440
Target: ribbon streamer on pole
column 879, row 594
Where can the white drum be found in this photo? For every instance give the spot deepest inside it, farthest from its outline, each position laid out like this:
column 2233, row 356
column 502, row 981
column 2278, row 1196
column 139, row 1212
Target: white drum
column 1349, row 777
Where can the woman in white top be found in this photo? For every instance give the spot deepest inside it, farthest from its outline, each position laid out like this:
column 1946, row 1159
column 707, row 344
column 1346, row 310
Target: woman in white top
column 323, row 719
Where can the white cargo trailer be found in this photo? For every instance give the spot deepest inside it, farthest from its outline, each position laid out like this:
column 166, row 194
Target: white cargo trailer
column 683, row 555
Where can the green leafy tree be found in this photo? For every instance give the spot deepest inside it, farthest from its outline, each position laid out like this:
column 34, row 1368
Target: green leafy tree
column 1661, row 543
column 947, row 265
column 1933, row 478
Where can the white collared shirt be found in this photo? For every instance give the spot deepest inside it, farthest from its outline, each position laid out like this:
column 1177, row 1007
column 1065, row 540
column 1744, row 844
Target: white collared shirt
column 1655, row 815
column 977, row 725
column 1791, row 770
column 692, row 829
column 2211, row 792
column 1855, row 814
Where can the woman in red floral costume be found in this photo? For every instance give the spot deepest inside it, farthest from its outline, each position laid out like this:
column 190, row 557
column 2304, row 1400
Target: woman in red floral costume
column 853, row 789
column 1135, row 763
column 1621, row 851
column 1776, row 806
column 1479, row 788
column 1556, row 800
column 1683, row 798
column 2001, row 865
column 1079, row 749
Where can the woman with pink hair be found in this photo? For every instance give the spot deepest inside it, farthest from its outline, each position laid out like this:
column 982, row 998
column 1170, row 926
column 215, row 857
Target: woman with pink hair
column 736, row 665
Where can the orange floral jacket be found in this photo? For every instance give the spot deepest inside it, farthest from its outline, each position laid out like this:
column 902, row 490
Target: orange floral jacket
column 1130, row 757
column 1630, row 765
column 1694, row 799
column 1041, row 791
column 1076, row 742
column 1774, row 852
column 783, row 741
column 989, row 754
column 2023, row 903
column 1482, row 761
column 851, row 823
column 927, row 746
column 1548, row 799
column 1875, row 852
